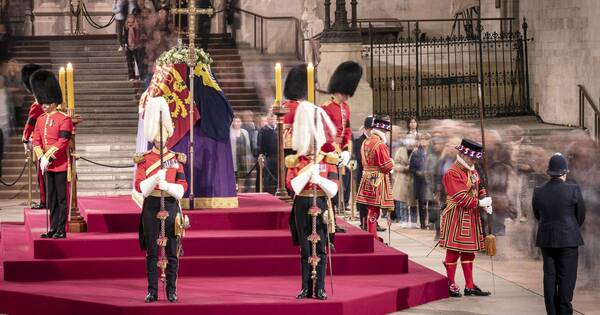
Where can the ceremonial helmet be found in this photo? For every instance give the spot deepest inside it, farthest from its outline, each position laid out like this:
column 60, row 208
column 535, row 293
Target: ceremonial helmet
column 295, row 83
column 470, row 148
column 557, row 166
column 157, row 107
column 26, row 73
column 381, row 123
column 345, row 78
column 305, row 129
column 45, row 87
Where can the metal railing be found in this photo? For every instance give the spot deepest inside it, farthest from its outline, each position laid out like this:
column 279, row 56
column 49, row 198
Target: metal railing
column 259, row 30
column 585, row 98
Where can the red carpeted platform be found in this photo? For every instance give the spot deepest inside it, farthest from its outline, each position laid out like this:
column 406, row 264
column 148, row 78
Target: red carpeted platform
column 236, row 260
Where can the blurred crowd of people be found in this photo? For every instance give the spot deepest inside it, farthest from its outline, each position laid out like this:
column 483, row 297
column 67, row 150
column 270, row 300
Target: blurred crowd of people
column 146, row 28
column 254, row 147
column 516, row 164
column 11, row 97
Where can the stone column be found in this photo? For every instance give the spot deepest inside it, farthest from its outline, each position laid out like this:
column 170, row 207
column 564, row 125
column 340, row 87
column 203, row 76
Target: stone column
column 311, row 25
column 49, row 17
column 332, row 54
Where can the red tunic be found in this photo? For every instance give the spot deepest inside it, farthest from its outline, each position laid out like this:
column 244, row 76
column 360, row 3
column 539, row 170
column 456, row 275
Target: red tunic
column 328, row 169
column 375, row 186
column 288, row 122
column 51, row 138
column 35, row 111
column 340, row 116
column 148, row 164
column 460, row 228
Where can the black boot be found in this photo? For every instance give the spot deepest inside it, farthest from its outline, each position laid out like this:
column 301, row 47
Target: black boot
column 38, row 206
column 476, row 291
column 49, row 234
column 151, row 297
column 454, row 291
column 321, row 295
column 59, row 234
column 172, row 297
column 303, row 294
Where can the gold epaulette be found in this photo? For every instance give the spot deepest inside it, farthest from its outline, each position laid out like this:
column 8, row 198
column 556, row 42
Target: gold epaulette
column 139, row 158
column 181, row 158
column 292, row 160
column 331, row 158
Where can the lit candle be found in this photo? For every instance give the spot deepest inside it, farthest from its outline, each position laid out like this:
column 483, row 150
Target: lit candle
column 61, row 81
column 70, row 87
column 278, row 90
column 310, row 76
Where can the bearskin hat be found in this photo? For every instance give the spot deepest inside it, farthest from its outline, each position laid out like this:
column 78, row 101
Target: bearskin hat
column 295, row 83
column 26, row 73
column 345, row 78
column 45, row 87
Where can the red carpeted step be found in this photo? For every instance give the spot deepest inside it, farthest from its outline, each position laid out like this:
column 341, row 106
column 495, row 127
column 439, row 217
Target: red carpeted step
column 383, row 262
column 378, row 294
column 121, row 214
column 196, row 243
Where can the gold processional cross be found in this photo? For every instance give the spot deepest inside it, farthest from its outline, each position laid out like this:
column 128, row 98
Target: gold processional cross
column 191, row 11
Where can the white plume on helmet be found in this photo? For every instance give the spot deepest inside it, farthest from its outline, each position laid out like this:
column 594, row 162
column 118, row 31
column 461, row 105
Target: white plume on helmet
column 304, row 129
column 152, row 111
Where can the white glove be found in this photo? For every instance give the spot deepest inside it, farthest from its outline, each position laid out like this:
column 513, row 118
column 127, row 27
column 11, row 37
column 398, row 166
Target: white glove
column 26, row 146
column 300, row 181
column 485, row 202
column 162, row 174
column 174, row 190
column 488, row 209
column 148, row 184
column 315, row 175
column 163, row 184
column 44, row 164
column 328, row 186
column 345, row 158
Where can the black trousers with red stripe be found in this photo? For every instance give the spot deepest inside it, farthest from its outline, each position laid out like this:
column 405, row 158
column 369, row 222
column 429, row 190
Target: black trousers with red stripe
column 57, row 200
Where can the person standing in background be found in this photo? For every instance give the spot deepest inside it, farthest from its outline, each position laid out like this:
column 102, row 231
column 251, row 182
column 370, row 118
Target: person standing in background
column 560, row 210
column 402, row 186
column 242, row 155
column 250, row 127
column 267, row 145
column 357, row 145
column 119, row 9
column 134, row 39
column 417, row 169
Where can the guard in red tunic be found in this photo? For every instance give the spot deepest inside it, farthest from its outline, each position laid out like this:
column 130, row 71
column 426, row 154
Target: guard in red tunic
column 51, row 137
column 294, row 90
column 342, row 85
column 302, row 176
column 461, row 230
column 375, row 190
column 35, row 111
column 150, row 181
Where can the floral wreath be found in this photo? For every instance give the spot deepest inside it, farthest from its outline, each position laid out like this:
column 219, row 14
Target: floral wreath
column 177, row 55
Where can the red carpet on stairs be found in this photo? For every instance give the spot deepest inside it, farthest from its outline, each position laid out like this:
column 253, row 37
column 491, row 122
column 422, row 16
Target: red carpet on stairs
column 236, row 260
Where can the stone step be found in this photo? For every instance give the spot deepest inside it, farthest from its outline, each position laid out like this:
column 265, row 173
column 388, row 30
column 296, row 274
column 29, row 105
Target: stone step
column 104, row 110
column 107, row 86
column 107, row 125
column 116, row 130
column 78, row 60
column 92, row 76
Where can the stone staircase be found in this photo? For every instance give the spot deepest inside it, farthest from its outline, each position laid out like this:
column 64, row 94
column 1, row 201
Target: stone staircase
column 107, row 100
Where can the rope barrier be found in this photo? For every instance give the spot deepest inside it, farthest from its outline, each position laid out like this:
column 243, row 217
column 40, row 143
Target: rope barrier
column 16, row 180
column 106, row 165
column 89, row 19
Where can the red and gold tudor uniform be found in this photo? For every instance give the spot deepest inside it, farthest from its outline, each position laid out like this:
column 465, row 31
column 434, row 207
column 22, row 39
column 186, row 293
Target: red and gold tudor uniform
column 375, row 189
column 301, row 222
column 35, row 111
column 148, row 165
column 461, row 232
column 51, row 137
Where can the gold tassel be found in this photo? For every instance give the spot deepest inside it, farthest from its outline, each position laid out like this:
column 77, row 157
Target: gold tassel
column 490, row 245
